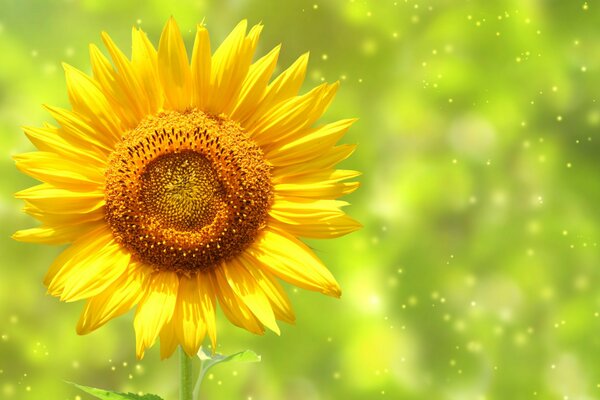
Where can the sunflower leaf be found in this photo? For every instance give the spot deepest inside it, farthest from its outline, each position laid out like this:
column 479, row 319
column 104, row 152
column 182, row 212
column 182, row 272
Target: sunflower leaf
column 209, row 360
column 110, row 395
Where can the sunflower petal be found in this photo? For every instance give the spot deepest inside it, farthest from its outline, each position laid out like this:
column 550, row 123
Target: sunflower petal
column 173, row 67
column 247, row 290
column 279, row 300
column 255, row 85
column 114, row 88
column 168, row 340
column 49, row 139
column 310, row 218
column 61, row 201
column 144, row 61
column 87, row 267
column 325, row 162
column 55, row 234
column 155, row 309
column 79, row 132
column 286, row 85
column 57, row 170
column 201, row 68
column 292, row 261
column 207, row 306
column 320, row 184
column 135, row 92
column 88, row 100
column 234, row 308
column 115, row 300
column 230, row 65
column 292, row 116
column 310, row 144
column 190, row 328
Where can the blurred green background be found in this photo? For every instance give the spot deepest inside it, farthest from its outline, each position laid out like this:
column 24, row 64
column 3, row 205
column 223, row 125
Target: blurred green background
column 475, row 275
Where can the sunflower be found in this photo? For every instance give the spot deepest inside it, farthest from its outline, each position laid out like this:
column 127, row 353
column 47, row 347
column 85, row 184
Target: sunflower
column 180, row 185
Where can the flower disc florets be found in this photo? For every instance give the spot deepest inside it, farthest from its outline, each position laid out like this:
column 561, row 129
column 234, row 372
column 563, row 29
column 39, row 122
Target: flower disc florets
column 185, row 191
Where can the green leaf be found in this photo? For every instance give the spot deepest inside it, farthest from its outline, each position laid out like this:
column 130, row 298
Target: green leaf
column 110, row 395
column 208, row 361
column 245, row 356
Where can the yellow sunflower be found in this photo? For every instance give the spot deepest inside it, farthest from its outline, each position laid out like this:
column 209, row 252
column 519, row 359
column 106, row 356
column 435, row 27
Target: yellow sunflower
column 178, row 184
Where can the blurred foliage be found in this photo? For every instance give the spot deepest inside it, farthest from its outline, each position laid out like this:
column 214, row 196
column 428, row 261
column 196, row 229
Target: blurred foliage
column 474, row 276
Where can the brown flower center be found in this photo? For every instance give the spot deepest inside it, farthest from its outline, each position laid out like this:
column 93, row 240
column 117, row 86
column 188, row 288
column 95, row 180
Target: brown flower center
column 185, row 191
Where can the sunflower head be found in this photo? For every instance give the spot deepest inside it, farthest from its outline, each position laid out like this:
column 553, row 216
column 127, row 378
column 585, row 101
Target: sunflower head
column 182, row 184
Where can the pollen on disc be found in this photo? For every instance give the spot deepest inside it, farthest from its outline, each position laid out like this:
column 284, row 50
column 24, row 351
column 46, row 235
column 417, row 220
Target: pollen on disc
column 186, row 191
column 181, row 190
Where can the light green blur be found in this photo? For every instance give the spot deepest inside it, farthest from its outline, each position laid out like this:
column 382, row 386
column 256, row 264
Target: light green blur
column 475, row 274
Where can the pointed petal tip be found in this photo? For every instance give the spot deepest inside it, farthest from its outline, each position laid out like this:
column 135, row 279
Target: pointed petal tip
column 171, row 26
column 67, row 67
column 82, row 328
column 277, row 331
column 334, row 291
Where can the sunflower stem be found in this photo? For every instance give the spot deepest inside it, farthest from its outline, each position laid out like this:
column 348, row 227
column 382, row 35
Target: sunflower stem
column 186, row 383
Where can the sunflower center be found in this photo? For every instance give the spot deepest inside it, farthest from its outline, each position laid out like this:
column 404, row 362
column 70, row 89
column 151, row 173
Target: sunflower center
column 181, row 190
column 186, row 191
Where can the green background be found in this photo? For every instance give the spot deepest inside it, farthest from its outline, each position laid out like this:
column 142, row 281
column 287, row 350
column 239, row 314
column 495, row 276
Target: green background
column 475, row 275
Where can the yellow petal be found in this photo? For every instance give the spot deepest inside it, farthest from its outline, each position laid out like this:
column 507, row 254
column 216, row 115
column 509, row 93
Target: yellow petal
column 247, row 290
column 59, row 234
column 207, row 306
column 115, row 300
column 144, row 60
column 291, row 116
column 173, row 68
column 316, row 184
column 96, row 274
column 234, row 308
column 133, row 89
column 155, row 309
column 88, row 101
column 286, row 85
column 190, row 328
column 254, row 86
column 310, row 144
column 229, row 67
column 77, row 130
column 318, row 190
column 272, row 289
column 87, row 267
column 292, row 261
column 168, row 340
column 201, row 67
column 58, row 170
column 62, row 201
column 50, row 139
column 321, row 219
column 320, row 175
column 325, row 162
column 64, row 217
column 115, row 90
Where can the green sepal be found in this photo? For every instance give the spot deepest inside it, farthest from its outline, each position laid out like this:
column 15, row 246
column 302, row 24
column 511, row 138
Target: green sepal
column 110, row 395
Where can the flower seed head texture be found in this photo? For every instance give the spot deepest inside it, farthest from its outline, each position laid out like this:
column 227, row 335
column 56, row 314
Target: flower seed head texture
column 181, row 184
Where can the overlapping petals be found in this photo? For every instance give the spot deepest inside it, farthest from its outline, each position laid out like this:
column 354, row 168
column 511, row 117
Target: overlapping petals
column 175, row 307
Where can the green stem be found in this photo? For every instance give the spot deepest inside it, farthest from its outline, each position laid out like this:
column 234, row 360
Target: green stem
column 185, row 376
column 199, row 380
